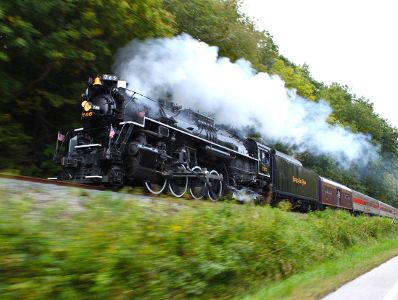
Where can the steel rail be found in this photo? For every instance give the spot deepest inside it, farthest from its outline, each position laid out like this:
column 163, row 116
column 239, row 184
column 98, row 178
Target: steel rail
column 52, row 181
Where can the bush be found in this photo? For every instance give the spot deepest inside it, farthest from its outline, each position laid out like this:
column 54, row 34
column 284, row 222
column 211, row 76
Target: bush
column 111, row 248
column 285, row 205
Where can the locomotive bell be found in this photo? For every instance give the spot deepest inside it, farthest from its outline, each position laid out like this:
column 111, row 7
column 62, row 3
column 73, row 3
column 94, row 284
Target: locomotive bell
column 97, row 81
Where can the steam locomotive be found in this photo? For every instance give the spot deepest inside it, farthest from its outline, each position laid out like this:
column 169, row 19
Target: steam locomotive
column 127, row 137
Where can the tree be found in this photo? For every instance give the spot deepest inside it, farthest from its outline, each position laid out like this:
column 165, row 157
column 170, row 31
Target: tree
column 48, row 48
column 220, row 23
column 295, row 77
column 359, row 115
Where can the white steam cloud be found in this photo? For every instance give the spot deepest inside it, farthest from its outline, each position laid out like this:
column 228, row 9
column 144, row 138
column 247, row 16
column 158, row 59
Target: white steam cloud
column 236, row 95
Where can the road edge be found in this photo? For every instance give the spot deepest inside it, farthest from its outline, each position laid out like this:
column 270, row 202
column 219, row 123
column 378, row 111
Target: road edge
column 316, row 282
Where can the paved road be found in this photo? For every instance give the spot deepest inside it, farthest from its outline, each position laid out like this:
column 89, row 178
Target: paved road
column 381, row 283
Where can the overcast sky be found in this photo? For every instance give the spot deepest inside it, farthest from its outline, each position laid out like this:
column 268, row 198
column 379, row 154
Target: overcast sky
column 352, row 42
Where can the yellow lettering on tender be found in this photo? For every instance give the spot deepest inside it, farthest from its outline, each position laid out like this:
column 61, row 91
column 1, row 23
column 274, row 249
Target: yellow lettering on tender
column 299, row 180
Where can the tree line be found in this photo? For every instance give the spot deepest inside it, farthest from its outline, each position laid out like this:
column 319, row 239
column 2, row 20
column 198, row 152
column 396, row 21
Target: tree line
column 48, row 49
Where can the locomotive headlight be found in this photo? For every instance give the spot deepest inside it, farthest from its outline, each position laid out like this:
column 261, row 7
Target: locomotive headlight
column 86, row 105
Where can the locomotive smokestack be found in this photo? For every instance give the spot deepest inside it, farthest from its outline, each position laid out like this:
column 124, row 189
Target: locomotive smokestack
column 193, row 73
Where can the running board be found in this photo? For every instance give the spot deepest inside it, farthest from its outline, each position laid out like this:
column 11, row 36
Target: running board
column 87, row 146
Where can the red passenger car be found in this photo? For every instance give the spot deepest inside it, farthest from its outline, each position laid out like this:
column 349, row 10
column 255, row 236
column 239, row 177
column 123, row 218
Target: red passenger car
column 334, row 194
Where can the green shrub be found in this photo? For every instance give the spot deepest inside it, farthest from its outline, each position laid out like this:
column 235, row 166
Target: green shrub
column 111, row 248
column 285, row 205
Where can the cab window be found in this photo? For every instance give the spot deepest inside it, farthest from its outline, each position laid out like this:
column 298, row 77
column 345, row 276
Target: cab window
column 264, row 157
column 264, row 162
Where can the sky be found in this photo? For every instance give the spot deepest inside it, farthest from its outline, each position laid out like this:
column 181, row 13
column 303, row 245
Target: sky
column 351, row 42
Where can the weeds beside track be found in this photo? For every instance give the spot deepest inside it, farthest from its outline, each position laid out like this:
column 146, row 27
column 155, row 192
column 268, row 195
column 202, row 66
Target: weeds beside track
column 113, row 247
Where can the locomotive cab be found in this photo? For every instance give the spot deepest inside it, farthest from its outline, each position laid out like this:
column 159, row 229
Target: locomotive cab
column 262, row 153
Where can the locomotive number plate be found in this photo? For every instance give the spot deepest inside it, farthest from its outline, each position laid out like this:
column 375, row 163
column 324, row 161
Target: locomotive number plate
column 87, row 114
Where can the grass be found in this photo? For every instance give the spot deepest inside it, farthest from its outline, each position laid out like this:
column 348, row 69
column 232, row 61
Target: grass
column 317, row 281
column 110, row 246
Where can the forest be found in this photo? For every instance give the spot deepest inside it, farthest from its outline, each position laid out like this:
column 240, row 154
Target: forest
column 49, row 48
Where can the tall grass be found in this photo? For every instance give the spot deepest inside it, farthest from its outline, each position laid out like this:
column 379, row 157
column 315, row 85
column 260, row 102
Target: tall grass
column 108, row 248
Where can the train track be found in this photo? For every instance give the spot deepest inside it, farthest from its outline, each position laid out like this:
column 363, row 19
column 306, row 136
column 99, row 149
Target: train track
column 52, row 182
column 140, row 192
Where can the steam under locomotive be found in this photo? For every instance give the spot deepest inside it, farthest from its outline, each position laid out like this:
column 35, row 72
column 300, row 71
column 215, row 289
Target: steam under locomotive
column 127, row 137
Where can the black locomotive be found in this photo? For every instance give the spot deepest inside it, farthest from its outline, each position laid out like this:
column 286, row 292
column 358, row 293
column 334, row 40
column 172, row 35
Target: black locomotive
column 128, row 137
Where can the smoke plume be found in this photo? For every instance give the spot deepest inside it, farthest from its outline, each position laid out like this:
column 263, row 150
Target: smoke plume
column 236, row 95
